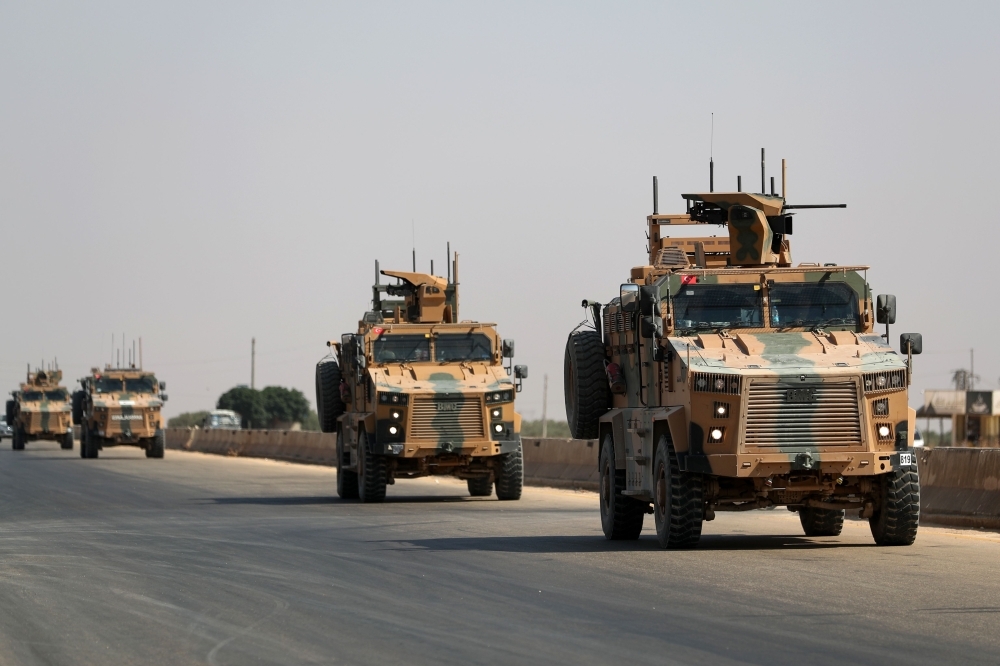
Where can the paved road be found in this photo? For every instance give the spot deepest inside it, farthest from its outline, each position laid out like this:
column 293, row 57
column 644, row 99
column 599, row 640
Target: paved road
column 201, row 559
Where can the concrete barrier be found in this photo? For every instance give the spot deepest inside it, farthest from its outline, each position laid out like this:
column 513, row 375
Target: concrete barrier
column 960, row 487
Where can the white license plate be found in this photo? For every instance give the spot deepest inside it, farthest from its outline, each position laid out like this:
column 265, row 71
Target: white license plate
column 905, row 459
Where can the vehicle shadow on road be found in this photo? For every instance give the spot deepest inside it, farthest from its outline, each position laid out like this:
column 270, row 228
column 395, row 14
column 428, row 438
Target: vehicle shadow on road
column 273, row 501
column 597, row 544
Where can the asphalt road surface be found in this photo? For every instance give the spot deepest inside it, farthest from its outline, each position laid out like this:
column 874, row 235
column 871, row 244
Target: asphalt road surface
column 203, row 559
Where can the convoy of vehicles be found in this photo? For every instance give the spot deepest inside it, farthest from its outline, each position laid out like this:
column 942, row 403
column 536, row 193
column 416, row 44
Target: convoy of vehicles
column 725, row 378
column 417, row 392
column 120, row 407
column 40, row 410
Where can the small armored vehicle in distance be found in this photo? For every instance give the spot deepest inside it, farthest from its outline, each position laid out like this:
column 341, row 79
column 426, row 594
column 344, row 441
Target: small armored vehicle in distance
column 40, row 410
column 416, row 392
column 120, row 407
column 725, row 378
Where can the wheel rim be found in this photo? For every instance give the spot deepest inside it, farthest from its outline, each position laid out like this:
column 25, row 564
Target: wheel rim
column 661, row 491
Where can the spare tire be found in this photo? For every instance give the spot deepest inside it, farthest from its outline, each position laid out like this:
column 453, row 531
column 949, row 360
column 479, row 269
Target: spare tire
column 329, row 406
column 585, row 383
column 78, row 398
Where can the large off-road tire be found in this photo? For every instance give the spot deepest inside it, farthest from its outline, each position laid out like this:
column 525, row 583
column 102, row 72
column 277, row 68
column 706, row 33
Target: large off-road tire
column 678, row 504
column 18, row 440
column 157, row 446
column 821, row 522
column 897, row 508
column 10, row 412
column 621, row 516
column 372, row 477
column 585, row 383
column 481, row 487
column 78, row 399
column 329, row 406
column 66, row 442
column 88, row 447
column 84, row 436
column 347, row 480
column 510, row 475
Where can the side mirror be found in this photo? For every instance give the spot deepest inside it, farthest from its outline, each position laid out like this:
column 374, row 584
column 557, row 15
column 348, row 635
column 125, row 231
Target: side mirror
column 647, row 300
column 163, row 397
column 911, row 343
column 885, row 309
column 629, row 297
column 508, row 349
column 521, row 371
column 163, row 386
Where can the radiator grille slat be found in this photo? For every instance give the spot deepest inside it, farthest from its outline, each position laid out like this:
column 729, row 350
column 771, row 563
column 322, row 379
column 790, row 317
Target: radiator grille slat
column 833, row 419
column 460, row 419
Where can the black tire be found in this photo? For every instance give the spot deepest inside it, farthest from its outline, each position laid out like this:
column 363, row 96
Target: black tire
column 897, row 508
column 678, row 500
column 347, row 480
column 481, row 487
column 78, row 399
column 17, row 441
column 372, row 476
column 10, row 412
column 585, row 383
column 329, row 406
column 510, row 475
column 67, row 441
column 157, row 446
column 83, row 441
column 621, row 516
column 88, row 447
column 821, row 522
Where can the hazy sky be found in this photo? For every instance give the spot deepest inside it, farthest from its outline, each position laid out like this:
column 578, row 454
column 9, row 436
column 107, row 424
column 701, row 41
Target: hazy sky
column 202, row 173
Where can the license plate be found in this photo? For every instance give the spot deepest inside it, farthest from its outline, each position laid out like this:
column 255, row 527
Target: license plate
column 905, row 459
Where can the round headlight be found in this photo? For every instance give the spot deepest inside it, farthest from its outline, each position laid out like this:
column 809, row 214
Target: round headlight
column 393, row 430
column 498, row 427
column 716, row 434
column 720, row 383
column 395, row 415
column 701, row 383
column 880, row 381
column 496, row 413
column 721, row 410
column 883, row 431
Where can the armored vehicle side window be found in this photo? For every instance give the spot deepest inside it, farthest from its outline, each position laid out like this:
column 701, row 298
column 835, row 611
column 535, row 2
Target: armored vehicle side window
column 813, row 305
column 58, row 395
column 140, row 385
column 402, row 348
column 31, row 396
column 107, row 385
column 718, row 306
column 462, row 347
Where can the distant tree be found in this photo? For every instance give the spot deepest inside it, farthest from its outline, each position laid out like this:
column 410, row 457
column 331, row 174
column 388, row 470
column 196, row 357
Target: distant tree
column 284, row 405
column 246, row 402
column 534, row 429
column 187, row 420
column 311, row 422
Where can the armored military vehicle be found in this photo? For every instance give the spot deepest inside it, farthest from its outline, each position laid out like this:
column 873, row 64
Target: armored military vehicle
column 40, row 410
column 725, row 378
column 416, row 392
column 120, row 407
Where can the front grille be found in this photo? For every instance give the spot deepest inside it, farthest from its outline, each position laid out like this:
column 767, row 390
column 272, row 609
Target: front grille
column 780, row 415
column 446, row 419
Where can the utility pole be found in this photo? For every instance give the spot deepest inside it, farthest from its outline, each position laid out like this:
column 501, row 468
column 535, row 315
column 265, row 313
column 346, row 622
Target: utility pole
column 253, row 362
column 545, row 406
column 140, row 352
column 972, row 369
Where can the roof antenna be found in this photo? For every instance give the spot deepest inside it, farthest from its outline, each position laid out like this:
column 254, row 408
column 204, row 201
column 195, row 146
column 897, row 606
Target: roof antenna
column 413, row 232
column 711, row 158
column 656, row 197
column 447, row 262
column 763, row 189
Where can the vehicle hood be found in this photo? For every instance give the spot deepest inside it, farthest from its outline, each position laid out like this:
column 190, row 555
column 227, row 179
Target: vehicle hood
column 467, row 377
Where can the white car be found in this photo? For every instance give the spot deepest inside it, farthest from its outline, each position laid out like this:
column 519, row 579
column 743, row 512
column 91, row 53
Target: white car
column 222, row 418
column 5, row 430
column 918, row 439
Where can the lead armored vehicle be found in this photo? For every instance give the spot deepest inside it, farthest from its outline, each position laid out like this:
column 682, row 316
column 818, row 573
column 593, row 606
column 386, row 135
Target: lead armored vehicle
column 40, row 410
column 416, row 392
column 120, row 407
column 725, row 378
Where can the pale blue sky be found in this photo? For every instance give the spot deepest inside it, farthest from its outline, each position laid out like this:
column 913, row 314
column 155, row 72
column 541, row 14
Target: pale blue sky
column 200, row 173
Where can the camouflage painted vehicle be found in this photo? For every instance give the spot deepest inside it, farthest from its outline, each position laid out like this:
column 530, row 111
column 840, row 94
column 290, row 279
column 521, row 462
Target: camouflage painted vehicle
column 415, row 392
column 723, row 378
column 120, row 407
column 40, row 410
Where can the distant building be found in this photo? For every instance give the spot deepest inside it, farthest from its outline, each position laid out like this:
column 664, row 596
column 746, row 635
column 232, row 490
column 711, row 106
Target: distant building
column 975, row 415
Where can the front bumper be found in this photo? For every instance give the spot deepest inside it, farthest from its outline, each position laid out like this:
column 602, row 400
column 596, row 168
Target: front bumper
column 424, row 449
column 845, row 463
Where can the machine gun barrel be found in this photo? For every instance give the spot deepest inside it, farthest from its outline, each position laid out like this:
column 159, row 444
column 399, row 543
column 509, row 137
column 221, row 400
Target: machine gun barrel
column 815, row 206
